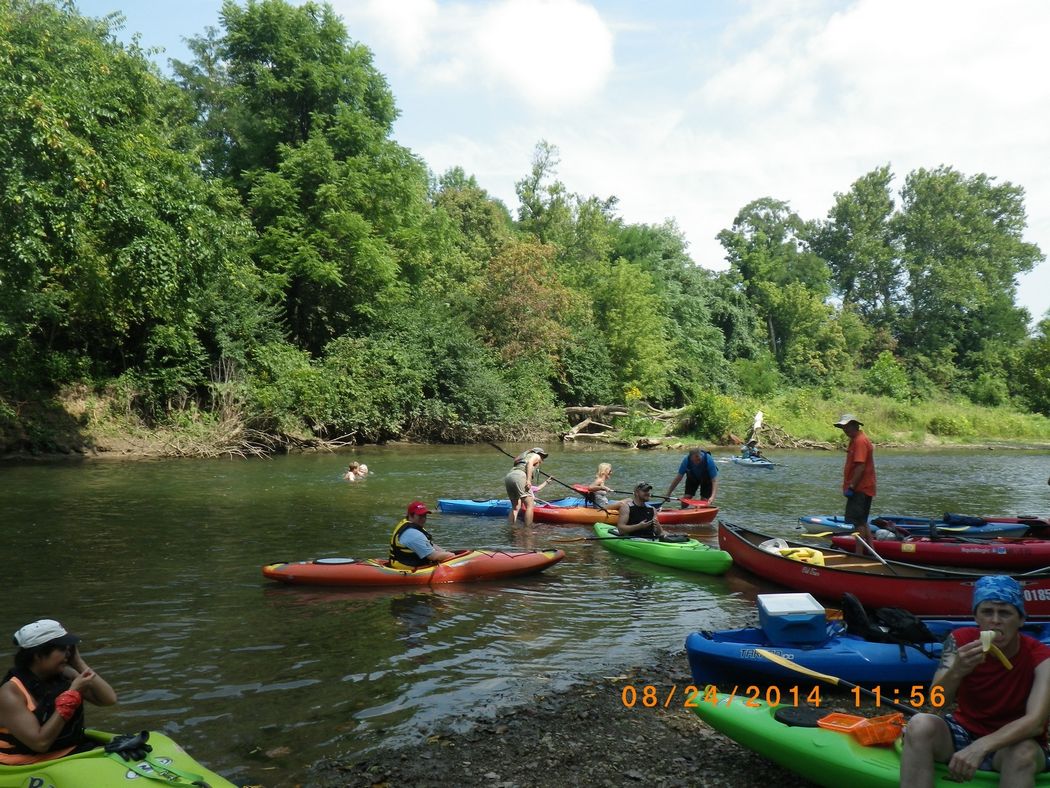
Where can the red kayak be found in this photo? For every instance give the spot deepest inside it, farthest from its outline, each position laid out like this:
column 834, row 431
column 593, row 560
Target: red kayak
column 987, row 554
column 876, row 582
column 468, row 566
column 588, row 515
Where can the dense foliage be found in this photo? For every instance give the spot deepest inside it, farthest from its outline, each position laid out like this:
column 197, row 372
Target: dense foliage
column 250, row 232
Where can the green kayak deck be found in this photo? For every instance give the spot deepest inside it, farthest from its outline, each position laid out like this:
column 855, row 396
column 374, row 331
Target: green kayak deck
column 826, row 757
column 96, row 769
column 689, row 554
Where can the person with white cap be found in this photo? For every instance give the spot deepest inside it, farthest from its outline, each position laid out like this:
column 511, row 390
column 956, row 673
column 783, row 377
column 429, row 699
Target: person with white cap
column 519, row 481
column 1001, row 698
column 858, row 476
column 750, row 450
column 411, row 545
column 41, row 697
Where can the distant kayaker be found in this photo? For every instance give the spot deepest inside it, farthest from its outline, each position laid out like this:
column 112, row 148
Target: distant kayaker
column 858, row 476
column 750, row 450
column 700, row 471
column 1002, row 700
column 41, row 697
column 411, row 545
column 637, row 517
column 519, row 483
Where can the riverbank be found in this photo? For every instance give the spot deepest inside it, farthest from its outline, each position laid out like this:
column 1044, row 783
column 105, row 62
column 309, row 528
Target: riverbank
column 85, row 425
column 585, row 736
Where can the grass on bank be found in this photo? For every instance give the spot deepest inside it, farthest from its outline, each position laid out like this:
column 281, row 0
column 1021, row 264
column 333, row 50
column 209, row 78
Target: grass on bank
column 806, row 416
column 83, row 420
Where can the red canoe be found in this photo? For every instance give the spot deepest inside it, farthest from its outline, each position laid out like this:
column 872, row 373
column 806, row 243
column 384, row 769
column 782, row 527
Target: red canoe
column 1000, row 554
column 588, row 515
column 468, row 566
column 925, row 591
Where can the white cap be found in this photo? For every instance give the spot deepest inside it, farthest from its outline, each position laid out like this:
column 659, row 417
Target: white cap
column 44, row 631
column 846, row 419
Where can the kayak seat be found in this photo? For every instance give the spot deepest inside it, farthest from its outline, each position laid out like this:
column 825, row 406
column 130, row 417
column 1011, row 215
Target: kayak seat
column 674, row 538
column 799, row 716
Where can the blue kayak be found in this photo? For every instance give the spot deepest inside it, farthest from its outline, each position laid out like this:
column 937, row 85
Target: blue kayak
column 492, row 507
column 753, row 462
column 918, row 526
column 727, row 658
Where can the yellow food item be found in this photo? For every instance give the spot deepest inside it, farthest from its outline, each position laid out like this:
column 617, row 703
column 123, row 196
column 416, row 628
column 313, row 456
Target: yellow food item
column 999, row 655
column 987, row 636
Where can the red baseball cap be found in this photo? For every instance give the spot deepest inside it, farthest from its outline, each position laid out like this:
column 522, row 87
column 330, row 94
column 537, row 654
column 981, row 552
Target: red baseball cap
column 417, row 507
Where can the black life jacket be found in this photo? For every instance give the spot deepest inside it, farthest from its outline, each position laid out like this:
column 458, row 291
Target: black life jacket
column 43, row 694
column 639, row 514
column 406, row 555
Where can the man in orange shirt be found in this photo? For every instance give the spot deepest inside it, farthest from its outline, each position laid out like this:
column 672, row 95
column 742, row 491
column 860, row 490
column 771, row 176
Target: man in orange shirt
column 858, row 476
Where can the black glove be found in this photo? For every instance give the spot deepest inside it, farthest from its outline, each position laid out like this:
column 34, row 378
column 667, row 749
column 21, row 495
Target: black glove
column 130, row 746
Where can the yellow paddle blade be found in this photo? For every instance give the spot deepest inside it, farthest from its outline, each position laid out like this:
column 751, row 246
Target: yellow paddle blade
column 817, row 536
column 787, row 663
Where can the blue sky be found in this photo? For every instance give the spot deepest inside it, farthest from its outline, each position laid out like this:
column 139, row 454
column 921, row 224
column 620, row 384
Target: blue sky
column 690, row 110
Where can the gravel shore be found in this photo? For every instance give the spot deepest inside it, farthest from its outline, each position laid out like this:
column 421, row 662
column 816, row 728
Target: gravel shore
column 584, row 737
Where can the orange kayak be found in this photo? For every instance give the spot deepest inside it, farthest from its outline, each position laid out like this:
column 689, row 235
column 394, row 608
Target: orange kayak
column 468, row 566
column 588, row 515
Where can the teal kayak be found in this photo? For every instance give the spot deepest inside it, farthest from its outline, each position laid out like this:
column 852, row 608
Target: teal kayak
column 688, row 554
column 827, row 757
column 167, row 762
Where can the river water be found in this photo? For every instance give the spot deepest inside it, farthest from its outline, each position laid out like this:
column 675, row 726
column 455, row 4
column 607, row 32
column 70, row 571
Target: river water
column 156, row 565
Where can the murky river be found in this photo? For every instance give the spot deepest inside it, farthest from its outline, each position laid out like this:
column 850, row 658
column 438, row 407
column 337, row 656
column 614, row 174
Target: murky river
column 156, row 565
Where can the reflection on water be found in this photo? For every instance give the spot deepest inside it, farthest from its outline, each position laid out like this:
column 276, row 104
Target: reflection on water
column 156, row 565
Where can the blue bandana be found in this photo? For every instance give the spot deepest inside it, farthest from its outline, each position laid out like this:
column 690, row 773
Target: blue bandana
column 999, row 588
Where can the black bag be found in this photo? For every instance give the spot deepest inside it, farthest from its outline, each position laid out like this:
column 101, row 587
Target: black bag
column 903, row 626
column 895, row 625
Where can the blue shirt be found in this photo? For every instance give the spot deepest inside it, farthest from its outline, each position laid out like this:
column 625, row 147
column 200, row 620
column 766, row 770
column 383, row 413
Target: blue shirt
column 694, row 470
column 413, row 539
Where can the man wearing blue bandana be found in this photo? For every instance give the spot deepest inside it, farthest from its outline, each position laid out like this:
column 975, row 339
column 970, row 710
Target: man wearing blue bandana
column 1000, row 715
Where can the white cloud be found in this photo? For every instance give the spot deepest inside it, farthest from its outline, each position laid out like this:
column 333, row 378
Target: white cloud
column 403, row 27
column 548, row 53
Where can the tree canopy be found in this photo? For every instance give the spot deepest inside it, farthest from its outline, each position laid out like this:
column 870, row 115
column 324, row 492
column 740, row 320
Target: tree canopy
column 253, row 222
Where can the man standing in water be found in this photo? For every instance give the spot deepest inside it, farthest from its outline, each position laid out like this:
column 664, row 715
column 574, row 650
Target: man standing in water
column 858, row 476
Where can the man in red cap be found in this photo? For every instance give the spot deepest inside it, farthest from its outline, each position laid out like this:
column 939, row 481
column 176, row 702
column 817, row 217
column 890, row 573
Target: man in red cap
column 411, row 545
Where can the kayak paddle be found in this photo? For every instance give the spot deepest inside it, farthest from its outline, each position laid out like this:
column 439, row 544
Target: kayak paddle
column 833, row 680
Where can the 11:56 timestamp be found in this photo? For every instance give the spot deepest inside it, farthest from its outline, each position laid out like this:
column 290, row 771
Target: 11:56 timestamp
column 915, row 696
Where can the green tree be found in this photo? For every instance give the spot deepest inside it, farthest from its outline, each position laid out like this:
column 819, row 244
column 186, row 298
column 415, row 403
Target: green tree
column 636, row 330
column 344, row 215
column 116, row 254
column 858, row 243
column 1030, row 372
column 766, row 248
column 962, row 247
column 278, row 74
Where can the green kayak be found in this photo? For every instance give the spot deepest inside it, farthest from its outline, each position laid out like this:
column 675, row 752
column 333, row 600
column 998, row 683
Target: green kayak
column 826, row 757
column 688, row 554
column 167, row 762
